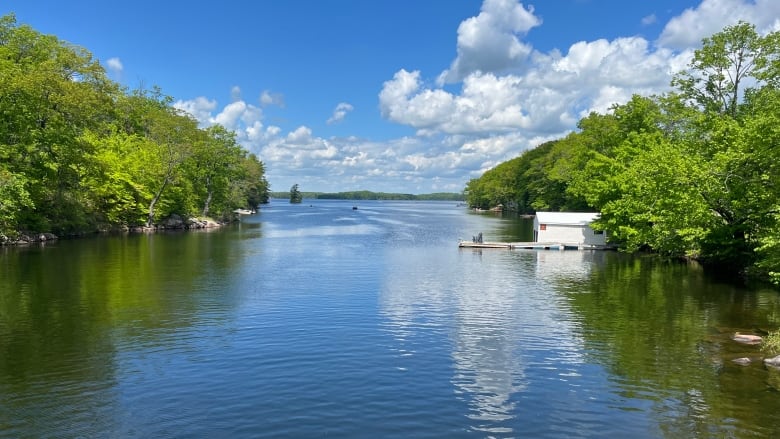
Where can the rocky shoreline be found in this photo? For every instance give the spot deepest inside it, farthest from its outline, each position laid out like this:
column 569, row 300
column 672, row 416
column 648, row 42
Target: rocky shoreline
column 173, row 222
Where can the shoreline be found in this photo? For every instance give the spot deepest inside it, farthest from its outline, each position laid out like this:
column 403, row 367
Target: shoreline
column 172, row 223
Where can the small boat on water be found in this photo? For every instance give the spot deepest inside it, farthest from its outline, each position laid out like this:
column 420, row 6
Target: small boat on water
column 244, row 211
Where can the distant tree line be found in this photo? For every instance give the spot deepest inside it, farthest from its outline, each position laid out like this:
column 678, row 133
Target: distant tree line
column 691, row 173
column 286, row 195
column 78, row 152
column 368, row 195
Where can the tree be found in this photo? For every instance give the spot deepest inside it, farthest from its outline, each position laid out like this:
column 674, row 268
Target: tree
column 13, row 199
column 295, row 194
column 760, row 200
column 657, row 203
column 254, row 186
column 721, row 67
column 170, row 143
column 526, row 183
column 693, row 173
column 215, row 163
column 731, row 132
column 79, row 153
column 115, row 178
column 50, row 92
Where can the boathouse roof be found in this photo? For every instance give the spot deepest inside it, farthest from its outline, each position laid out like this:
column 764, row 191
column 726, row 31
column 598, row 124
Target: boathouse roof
column 566, row 218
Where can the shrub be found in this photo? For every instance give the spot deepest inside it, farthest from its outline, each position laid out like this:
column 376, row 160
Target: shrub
column 771, row 343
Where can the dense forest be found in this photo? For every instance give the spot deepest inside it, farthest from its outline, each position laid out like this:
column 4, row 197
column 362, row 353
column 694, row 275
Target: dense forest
column 691, row 173
column 80, row 153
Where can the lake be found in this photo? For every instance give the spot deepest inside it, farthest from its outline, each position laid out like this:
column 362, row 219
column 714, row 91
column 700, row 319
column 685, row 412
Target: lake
column 317, row 320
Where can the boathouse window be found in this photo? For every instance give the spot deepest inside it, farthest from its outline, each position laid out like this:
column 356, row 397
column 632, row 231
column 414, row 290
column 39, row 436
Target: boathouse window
column 598, row 232
column 542, row 226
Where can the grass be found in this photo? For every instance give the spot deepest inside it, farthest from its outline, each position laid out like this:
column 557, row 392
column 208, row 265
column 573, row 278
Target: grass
column 771, row 343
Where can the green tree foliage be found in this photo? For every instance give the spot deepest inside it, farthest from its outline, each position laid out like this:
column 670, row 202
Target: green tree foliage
column 760, row 171
column 729, row 135
column 51, row 91
column 720, row 68
column 251, row 188
column 114, row 180
column 215, row 161
column 79, row 153
column 693, row 173
column 534, row 181
column 295, row 194
column 13, row 199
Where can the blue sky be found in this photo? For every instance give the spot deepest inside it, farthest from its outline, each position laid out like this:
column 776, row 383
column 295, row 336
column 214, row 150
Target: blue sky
column 392, row 95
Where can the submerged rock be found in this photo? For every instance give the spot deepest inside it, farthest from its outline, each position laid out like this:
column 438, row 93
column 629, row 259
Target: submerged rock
column 743, row 361
column 774, row 361
column 747, row 338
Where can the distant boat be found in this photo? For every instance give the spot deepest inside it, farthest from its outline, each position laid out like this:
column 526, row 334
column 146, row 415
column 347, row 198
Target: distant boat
column 244, row 211
column 354, row 208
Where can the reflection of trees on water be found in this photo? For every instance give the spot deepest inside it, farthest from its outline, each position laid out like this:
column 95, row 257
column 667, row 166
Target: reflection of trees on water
column 498, row 313
column 68, row 312
column 663, row 330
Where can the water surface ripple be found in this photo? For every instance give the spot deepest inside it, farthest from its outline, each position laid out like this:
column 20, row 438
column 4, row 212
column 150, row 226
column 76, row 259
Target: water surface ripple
column 317, row 320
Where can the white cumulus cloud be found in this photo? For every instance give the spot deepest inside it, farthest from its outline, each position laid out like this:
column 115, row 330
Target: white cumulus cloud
column 554, row 92
column 246, row 120
column 200, row 108
column 498, row 97
column 269, row 98
column 340, row 112
column 711, row 16
column 115, row 65
column 490, row 41
column 235, row 93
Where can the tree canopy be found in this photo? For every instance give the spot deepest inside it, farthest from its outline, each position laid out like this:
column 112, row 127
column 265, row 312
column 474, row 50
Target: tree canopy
column 78, row 152
column 691, row 173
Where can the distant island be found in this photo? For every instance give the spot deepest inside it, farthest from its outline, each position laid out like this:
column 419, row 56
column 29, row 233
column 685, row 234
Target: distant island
column 369, row 195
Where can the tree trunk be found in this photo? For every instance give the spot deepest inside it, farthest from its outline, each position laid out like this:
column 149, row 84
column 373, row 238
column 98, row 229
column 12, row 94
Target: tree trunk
column 208, row 197
column 155, row 199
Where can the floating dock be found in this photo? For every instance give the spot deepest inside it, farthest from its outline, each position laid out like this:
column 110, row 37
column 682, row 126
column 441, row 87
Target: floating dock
column 532, row 245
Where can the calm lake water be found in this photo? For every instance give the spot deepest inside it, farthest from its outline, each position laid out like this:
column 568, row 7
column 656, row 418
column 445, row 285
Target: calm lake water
column 318, row 320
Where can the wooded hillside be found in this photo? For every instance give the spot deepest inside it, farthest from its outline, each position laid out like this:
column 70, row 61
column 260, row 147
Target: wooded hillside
column 80, row 153
column 692, row 173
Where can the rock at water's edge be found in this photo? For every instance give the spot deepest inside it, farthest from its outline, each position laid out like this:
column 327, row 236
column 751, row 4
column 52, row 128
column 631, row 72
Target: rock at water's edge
column 774, row 361
column 747, row 338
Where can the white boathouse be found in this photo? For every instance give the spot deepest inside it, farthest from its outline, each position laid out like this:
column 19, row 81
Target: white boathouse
column 570, row 228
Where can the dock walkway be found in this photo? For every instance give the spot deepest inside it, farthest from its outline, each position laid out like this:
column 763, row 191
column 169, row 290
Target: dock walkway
column 532, row 245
